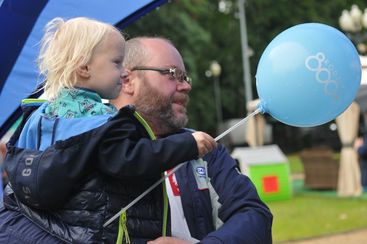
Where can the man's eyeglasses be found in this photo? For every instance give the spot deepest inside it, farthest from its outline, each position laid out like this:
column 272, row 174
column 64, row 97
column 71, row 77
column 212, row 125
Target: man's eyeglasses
column 175, row 73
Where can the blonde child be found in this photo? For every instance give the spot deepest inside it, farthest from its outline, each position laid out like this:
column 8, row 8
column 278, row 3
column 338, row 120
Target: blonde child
column 108, row 156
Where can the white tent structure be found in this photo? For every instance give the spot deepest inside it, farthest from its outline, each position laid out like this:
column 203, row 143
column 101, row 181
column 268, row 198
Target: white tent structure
column 349, row 181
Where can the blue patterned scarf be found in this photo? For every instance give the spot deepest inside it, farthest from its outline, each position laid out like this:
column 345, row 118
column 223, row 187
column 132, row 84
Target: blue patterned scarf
column 77, row 103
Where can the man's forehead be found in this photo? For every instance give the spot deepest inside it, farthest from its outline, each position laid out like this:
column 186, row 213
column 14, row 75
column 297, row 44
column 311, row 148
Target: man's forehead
column 155, row 42
column 162, row 52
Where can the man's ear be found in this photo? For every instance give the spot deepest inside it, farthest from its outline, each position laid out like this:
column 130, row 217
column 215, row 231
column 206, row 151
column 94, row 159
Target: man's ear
column 128, row 83
column 83, row 71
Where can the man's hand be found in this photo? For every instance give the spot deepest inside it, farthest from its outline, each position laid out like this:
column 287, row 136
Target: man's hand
column 168, row 240
column 204, row 142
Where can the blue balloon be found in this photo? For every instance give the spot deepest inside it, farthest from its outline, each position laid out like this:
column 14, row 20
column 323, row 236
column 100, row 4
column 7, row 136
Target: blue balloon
column 308, row 75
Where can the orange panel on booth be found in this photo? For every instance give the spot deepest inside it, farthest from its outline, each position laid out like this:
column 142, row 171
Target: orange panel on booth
column 268, row 168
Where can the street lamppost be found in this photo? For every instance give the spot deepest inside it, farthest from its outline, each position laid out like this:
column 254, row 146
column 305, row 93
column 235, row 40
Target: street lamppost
column 245, row 49
column 225, row 6
column 354, row 23
column 215, row 71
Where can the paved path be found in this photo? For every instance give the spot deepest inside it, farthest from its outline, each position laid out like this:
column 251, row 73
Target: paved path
column 352, row 237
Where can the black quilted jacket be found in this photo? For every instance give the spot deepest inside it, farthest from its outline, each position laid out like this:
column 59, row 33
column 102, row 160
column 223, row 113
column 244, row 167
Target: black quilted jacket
column 106, row 167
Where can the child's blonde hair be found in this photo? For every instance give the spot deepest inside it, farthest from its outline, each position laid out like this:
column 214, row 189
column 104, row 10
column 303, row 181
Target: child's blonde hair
column 66, row 46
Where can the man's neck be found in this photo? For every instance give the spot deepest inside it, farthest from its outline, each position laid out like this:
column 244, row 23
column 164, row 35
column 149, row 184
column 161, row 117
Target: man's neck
column 158, row 127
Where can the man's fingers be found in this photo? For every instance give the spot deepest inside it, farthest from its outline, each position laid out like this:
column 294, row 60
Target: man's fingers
column 205, row 142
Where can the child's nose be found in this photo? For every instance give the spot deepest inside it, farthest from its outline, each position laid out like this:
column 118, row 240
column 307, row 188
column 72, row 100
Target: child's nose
column 124, row 74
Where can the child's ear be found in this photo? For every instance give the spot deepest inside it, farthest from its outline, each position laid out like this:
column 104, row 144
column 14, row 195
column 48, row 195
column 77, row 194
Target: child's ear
column 83, row 71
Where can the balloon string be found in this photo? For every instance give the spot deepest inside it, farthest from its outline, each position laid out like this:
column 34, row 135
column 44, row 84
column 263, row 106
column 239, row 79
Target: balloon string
column 237, row 124
column 175, row 169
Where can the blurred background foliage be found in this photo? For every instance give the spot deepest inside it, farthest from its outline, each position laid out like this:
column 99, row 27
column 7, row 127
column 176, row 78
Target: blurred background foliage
column 203, row 32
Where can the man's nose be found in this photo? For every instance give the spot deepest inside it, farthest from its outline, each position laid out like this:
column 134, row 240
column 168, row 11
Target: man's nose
column 183, row 86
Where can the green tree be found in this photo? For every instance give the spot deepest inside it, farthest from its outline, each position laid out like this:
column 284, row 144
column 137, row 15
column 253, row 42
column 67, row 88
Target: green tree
column 202, row 33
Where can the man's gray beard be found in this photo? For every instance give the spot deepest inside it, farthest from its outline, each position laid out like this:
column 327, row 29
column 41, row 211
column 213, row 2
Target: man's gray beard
column 162, row 118
column 157, row 110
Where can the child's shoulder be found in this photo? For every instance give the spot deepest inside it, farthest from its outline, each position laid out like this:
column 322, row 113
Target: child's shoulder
column 32, row 102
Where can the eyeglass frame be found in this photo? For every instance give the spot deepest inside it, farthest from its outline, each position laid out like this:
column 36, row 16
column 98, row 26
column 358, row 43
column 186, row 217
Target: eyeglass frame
column 167, row 71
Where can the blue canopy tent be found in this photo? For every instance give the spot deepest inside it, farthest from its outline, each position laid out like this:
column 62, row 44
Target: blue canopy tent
column 21, row 28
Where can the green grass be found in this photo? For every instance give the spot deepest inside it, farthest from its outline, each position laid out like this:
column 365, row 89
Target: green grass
column 315, row 213
column 306, row 216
